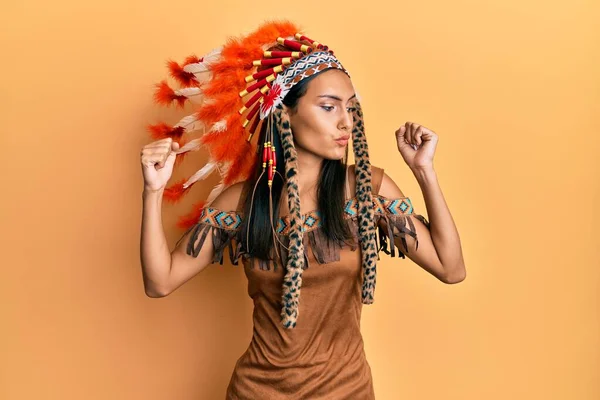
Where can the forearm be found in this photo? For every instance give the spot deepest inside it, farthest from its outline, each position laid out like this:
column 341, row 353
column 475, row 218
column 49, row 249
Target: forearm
column 154, row 250
column 444, row 234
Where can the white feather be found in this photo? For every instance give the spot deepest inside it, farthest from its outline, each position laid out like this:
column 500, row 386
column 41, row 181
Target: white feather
column 219, row 126
column 201, row 174
column 190, row 123
column 196, row 68
column 200, row 69
column 218, row 189
column 192, row 93
column 192, row 145
column 212, row 55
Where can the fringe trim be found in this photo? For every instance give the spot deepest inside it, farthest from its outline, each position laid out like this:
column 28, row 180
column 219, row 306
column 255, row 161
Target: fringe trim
column 323, row 249
column 221, row 238
column 398, row 226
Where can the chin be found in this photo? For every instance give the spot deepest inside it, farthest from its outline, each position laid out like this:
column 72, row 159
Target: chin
column 337, row 155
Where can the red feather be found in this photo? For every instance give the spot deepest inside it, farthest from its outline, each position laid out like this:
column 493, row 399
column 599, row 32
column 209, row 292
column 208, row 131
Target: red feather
column 162, row 131
column 164, row 95
column 175, row 192
column 191, row 59
column 190, row 219
column 185, row 79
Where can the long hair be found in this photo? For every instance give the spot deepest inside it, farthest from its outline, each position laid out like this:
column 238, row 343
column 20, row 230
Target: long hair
column 330, row 191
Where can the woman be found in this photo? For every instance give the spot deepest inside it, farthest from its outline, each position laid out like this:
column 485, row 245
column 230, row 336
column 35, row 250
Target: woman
column 297, row 231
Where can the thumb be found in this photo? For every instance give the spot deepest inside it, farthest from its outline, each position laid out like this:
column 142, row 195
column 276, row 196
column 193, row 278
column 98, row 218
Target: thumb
column 174, row 148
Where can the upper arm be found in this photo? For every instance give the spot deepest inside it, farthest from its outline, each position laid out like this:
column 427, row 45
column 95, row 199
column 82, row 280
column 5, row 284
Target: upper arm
column 184, row 266
column 426, row 255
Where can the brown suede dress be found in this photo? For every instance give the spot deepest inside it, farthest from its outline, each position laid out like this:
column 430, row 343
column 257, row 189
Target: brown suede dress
column 323, row 356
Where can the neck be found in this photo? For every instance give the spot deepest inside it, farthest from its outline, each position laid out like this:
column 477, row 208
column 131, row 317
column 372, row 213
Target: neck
column 309, row 168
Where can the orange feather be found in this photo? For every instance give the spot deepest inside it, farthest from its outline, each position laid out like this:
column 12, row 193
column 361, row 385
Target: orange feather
column 232, row 80
column 223, row 106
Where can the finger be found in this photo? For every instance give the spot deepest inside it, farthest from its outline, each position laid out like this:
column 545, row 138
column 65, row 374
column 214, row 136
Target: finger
column 160, row 143
column 407, row 132
column 418, row 136
column 411, row 132
column 161, row 162
column 158, row 146
column 150, row 161
column 417, row 129
column 400, row 132
column 401, row 137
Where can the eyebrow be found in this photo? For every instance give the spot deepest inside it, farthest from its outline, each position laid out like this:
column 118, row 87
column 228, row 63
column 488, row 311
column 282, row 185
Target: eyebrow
column 331, row 96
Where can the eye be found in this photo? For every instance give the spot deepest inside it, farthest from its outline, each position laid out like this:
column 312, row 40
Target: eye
column 351, row 109
column 327, row 108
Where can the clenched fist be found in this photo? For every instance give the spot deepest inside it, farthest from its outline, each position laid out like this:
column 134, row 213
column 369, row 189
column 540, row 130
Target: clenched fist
column 157, row 163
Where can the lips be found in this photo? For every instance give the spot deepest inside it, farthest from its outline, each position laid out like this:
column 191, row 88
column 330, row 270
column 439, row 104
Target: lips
column 345, row 137
column 343, row 140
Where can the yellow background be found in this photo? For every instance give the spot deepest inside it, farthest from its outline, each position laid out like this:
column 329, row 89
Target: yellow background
column 512, row 89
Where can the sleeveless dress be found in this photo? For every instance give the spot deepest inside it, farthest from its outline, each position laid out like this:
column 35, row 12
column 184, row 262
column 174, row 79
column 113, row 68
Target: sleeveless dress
column 323, row 356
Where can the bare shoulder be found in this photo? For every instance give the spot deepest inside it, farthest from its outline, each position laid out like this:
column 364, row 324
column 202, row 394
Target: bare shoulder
column 389, row 188
column 352, row 176
column 229, row 198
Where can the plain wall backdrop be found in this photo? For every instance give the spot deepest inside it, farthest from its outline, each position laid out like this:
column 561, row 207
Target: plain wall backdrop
column 511, row 88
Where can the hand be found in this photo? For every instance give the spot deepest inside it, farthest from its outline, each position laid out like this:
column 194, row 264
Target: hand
column 416, row 145
column 157, row 160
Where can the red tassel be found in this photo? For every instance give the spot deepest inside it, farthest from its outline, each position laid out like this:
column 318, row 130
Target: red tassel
column 317, row 45
column 253, row 112
column 259, row 84
column 253, row 127
column 252, row 100
column 274, row 61
column 265, row 155
column 264, row 73
column 281, row 54
column 295, row 45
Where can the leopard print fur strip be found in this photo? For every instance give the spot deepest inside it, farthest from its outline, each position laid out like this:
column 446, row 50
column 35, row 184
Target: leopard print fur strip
column 366, row 223
column 293, row 277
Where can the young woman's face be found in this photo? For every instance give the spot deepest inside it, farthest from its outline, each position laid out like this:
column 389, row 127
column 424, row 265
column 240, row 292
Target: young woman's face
column 323, row 117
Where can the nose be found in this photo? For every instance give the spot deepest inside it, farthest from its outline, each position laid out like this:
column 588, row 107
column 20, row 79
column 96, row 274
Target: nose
column 346, row 121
